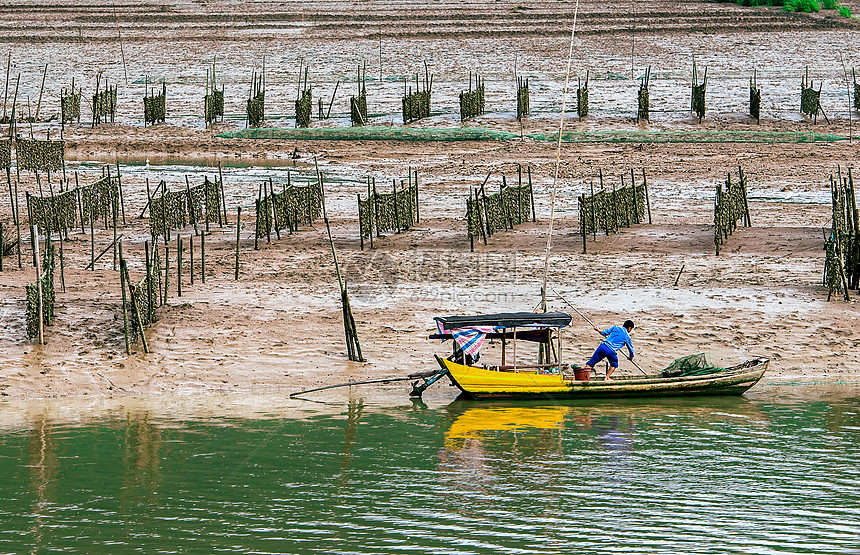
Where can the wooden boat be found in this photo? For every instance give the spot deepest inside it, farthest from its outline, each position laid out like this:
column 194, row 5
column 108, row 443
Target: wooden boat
column 487, row 383
column 550, row 377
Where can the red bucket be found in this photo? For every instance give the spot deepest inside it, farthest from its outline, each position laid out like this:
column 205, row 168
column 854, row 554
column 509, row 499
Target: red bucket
column 581, row 374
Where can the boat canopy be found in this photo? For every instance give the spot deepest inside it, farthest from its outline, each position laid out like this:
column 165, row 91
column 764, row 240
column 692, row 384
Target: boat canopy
column 469, row 332
column 504, row 320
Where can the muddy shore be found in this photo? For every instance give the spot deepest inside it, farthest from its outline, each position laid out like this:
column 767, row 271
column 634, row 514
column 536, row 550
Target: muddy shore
column 278, row 328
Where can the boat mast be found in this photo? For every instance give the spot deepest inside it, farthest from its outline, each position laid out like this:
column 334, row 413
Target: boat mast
column 558, row 160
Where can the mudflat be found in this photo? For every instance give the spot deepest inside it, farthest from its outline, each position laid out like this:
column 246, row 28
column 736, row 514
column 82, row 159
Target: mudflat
column 278, row 328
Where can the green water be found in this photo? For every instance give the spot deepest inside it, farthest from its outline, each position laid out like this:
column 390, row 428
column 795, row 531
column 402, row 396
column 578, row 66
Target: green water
column 776, row 471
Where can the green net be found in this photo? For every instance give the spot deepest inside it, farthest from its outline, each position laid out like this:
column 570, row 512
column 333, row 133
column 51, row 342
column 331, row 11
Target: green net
column 691, row 365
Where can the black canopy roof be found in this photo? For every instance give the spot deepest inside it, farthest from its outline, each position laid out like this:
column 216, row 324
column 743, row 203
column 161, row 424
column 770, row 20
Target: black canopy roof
column 505, row 320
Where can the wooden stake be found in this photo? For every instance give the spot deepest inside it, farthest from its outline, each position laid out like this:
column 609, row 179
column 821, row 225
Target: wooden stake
column 41, row 90
column 178, row 265
column 352, row 345
column 469, row 223
column 190, row 204
column 256, row 236
column 203, row 258
column 35, row 232
column 122, row 277
column 223, row 200
column 121, row 196
column 114, row 210
column 191, row 258
column 135, row 309
column 271, row 203
column 360, row 232
column 206, row 203
column 149, row 272
column 6, row 92
column 238, row 232
column 748, row 220
column 18, row 224
column 647, row 201
column 92, row 239
column 166, row 270
column 584, row 234
column 679, row 276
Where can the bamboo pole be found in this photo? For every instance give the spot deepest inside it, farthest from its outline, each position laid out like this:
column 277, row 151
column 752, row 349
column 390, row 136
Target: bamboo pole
column 256, row 235
column 122, row 278
column 190, row 204
column 149, row 291
column 223, row 200
column 203, row 258
column 191, row 258
column 352, row 344
column 417, row 210
column 121, row 196
column 92, row 239
column 748, row 220
column 18, row 224
column 91, row 265
column 593, row 215
column 13, row 128
column 166, row 270
column 178, row 265
column 135, row 309
column 271, row 205
column 582, row 225
column 480, row 216
column 238, row 232
column 114, row 211
column 41, row 90
column 360, row 233
column 647, row 200
column 206, row 204
column 470, row 215
column 6, row 87
column 41, row 309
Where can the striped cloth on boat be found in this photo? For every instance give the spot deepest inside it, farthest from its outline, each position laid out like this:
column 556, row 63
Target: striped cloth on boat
column 470, row 340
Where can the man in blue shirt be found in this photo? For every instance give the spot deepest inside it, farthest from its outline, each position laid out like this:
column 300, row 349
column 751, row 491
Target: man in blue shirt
column 615, row 338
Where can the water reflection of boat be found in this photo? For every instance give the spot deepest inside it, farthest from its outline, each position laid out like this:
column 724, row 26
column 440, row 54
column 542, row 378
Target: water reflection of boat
column 476, row 421
column 530, row 427
column 549, row 377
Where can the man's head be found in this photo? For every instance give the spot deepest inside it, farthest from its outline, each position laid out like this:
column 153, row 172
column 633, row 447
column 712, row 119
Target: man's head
column 628, row 325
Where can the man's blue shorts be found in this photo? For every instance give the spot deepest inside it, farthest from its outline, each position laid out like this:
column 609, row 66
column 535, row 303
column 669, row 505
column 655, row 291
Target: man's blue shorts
column 604, row 351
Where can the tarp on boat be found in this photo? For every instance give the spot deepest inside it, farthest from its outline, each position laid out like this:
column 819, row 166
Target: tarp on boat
column 504, row 320
column 470, row 331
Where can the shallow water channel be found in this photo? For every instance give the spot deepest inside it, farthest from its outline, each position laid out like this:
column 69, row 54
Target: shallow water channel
column 369, row 471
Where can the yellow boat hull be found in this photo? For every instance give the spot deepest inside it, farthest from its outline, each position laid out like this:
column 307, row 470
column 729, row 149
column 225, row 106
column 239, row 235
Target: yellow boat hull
column 482, row 383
